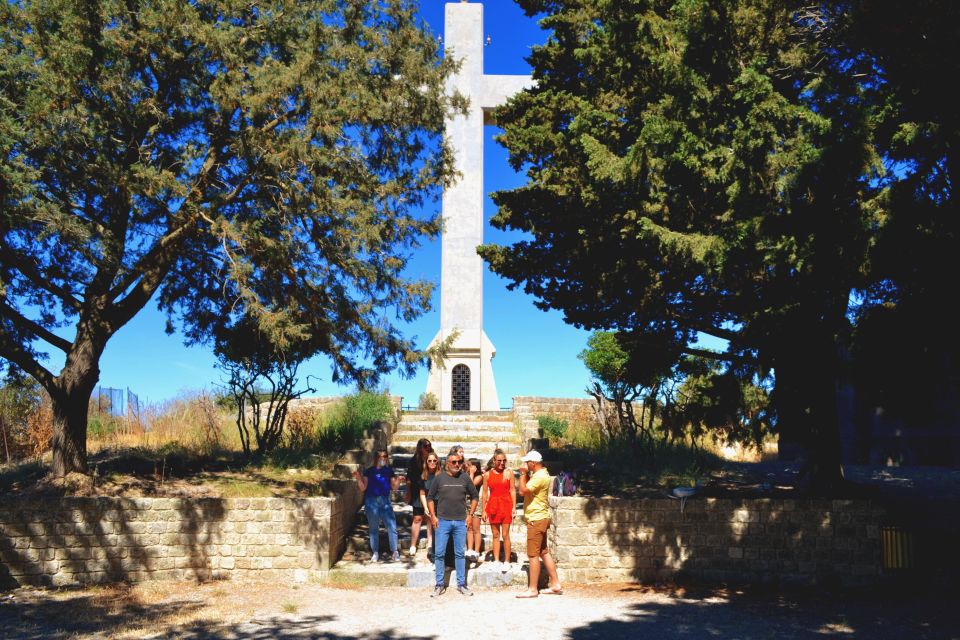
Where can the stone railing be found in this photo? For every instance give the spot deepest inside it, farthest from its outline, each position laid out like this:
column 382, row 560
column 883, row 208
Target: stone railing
column 757, row 541
column 526, row 409
column 67, row 541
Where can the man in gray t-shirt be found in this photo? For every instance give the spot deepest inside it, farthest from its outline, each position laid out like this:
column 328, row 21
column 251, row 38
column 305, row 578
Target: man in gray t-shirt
column 447, row 501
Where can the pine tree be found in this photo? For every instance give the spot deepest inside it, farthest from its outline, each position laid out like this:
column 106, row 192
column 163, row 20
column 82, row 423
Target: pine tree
column 227, row 159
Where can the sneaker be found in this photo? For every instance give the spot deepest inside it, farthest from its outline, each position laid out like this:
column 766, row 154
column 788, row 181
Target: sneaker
column 438, row 590
column 375, row 557
column 413, row 550
column 396, row 556
column 464, row 591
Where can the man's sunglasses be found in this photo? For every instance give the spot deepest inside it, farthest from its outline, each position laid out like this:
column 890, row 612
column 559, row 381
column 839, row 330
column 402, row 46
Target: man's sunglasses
column 455, row 462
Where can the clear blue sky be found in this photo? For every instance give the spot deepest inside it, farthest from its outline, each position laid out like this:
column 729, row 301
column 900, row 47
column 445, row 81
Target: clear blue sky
column 536, row 350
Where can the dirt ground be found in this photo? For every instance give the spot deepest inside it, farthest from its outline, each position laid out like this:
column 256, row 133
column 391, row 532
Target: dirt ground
column 255, row 611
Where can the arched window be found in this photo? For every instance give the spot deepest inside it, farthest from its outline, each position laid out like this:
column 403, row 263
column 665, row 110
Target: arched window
column 461, row 388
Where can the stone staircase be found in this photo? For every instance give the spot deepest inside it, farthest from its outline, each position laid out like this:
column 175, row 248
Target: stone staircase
column 479, row 433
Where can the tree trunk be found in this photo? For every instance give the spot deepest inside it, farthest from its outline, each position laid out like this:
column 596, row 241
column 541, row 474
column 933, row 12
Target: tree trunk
column 805, row 397
column 71, row 398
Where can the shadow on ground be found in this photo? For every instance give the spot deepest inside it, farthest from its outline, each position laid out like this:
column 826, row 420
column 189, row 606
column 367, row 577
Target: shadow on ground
column 761, row 616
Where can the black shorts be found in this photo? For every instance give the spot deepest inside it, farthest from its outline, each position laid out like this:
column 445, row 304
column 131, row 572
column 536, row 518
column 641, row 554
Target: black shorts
column 418, row 509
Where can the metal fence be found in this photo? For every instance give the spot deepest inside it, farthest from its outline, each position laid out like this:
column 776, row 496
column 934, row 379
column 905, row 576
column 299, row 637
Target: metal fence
column 110, row 402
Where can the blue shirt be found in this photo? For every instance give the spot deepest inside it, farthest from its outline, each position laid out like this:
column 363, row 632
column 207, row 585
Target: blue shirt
column 378, row 481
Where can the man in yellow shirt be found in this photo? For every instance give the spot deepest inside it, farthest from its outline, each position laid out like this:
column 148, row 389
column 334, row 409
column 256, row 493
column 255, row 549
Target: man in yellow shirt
column 535, row 489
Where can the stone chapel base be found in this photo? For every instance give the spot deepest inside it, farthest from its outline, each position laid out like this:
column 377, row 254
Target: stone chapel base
column 473, row 350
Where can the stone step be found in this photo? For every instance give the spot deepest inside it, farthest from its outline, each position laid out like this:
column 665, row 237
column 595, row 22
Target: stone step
column 458, row 416
column 471, row 448
column 410, row 439
column 419, row 573
column 418, row 426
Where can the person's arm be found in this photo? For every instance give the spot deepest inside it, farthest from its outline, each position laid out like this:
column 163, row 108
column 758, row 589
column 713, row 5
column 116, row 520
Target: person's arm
column 524, row 475
column 474, row 496
column 396, row 480
column 513, row 495
column 432, row 501
column 423, row 500
column 484, row 496
column 361, row 480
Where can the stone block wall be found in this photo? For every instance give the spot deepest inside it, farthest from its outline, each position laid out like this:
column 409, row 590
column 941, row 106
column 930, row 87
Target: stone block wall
column 756, row 541
column 526, row 409
column 68, row 541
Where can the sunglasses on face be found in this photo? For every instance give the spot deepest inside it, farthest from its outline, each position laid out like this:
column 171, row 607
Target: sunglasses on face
column 432, row 461
column 455, row 462
column 500, row 461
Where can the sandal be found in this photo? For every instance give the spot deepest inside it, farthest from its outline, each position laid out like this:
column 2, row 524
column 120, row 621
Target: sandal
column 527, row 594
column 553, row 591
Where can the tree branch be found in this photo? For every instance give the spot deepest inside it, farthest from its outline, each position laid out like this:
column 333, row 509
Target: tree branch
column 29, row 325
column 31, row 273
column 12, row 351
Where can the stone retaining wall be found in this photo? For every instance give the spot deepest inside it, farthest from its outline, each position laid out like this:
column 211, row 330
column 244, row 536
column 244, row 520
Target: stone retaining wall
column 67, row 541
column 526, row 409
column 756, row 541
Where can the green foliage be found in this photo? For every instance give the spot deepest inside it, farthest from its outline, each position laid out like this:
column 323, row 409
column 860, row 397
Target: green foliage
column 724, row 168
column 237, row 163
column 624, row 467
column 317, row 435
column 553, row 426
column 428, row 402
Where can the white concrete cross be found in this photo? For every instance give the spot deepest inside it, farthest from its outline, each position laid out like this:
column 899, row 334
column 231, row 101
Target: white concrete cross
column 461, row 274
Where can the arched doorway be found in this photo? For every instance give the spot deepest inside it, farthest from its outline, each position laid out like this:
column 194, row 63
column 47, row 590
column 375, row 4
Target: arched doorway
column 461, row 388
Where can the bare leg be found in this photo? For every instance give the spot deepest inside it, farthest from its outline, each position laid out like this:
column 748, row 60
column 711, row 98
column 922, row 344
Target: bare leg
column 532, row 590
column 477, row 535
column 551, row 567
column 495, row 529
column 415, row 531
column 505, row 530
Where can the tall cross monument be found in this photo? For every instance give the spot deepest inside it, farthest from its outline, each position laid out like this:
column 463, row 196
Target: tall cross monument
column 465, row 382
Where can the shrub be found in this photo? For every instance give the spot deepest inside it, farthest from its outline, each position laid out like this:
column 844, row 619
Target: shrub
column 428, row 402
column 552, row 426
column 343, row 427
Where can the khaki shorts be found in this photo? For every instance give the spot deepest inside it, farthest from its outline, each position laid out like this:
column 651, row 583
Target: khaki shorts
column 537, row 537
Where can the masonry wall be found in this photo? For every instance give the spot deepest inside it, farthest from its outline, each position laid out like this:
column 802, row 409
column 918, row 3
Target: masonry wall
column 756, row 541
column 67, row 541
column 526, row 409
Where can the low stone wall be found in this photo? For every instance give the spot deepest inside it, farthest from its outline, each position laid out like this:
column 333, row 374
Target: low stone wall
column 67, row 541
column 321, row 403
column 526, row 409
column 757, row 541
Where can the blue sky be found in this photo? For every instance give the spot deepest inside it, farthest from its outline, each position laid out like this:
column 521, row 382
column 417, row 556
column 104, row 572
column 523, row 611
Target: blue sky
column 536, row 350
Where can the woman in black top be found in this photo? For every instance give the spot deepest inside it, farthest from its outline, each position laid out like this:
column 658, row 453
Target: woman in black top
column 416, row 474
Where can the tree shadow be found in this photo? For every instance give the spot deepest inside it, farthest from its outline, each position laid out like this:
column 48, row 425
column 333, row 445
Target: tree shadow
column 40, row 616
column 283, row 628
column 781, row 542
column 686, row 614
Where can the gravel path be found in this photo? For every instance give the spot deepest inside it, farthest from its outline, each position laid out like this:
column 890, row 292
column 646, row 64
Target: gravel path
column 610, row 612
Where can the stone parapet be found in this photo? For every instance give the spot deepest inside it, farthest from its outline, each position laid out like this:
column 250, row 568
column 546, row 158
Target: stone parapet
column 750, row 541
column 526, row 409
column 69, row 541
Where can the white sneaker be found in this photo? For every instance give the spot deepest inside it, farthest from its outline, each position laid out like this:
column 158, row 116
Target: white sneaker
column 413, row 550
column 375, row 557
column 396, row 556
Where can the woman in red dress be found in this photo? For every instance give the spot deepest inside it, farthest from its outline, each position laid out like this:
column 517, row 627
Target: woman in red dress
column 499, row 500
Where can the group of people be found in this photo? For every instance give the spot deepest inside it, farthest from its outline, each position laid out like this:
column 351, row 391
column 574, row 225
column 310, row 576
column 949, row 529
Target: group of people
column 451, row 497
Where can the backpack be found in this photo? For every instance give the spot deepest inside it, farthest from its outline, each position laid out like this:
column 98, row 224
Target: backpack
column 564, row 484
